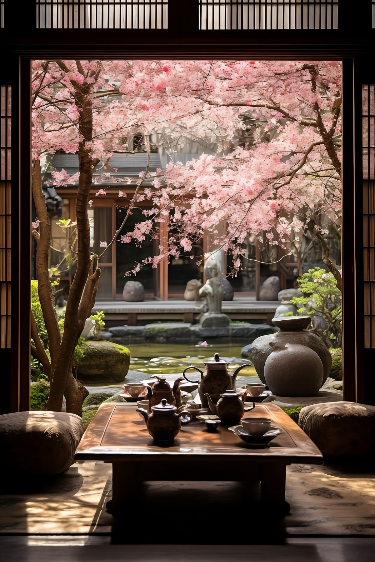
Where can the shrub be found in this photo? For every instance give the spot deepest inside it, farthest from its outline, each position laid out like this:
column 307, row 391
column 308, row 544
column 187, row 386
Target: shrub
column 322, row 298
column 39, row 395
column 87, row 417
column 293, row 412
column 336, row 369
column 94, row 399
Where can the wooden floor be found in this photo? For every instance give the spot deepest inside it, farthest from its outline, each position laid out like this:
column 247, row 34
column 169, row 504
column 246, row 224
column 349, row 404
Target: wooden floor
column 37, row 548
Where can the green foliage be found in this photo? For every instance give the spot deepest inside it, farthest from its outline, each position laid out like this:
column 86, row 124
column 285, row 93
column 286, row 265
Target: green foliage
column 120, row 348
column 39, row 395
column 37, row 368
column 293, row 413
column 38, row 314
column 94, row 399
column 98, row 318
column 87, row 417
column 79, row 351
column 323, row 298
column 288, row 314
column 336, row 369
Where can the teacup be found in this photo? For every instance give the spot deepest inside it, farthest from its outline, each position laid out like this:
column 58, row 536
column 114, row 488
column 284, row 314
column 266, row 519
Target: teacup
column 256, row 426
column 143, row 404
column 255, row 389
column 194, row 408
column 134, row 389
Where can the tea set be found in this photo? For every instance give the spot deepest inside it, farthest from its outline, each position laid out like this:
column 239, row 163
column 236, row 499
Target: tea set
column 220, row 403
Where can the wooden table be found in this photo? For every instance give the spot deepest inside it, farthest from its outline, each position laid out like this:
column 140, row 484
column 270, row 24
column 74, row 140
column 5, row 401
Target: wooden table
column 118, row 435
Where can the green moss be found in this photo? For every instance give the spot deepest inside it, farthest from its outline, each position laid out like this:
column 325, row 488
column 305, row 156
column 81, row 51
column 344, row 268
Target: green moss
column 94, row 399
column 87, row 417
column 336, row 369
column 39, row 394
column 121, row 348
column 293, row 413
column 156, row 329
column 239, row 323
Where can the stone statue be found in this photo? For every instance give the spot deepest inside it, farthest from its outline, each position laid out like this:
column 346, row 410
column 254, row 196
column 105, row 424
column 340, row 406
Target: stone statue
column 212, row 291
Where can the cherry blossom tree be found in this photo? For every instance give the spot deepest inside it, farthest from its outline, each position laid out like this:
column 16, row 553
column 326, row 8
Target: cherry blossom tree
column 284, row 184
column 281, row 182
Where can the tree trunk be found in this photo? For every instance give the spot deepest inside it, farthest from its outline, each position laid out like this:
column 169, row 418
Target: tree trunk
column 74, row 393
column 74, row 323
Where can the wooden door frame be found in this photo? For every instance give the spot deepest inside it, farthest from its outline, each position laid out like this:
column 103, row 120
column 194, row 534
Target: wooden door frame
column 352, row 44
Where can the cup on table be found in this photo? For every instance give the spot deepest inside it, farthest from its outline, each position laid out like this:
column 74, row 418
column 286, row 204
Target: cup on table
column 256, row 426
column 143, row 404
column 134, row 389
column 255, row 389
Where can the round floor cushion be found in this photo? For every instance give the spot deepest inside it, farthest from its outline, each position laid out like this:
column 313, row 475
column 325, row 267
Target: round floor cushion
column 39, row 442
column 340, row 428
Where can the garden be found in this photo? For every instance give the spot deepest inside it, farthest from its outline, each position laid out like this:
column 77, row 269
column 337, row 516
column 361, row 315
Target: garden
column 253, row 150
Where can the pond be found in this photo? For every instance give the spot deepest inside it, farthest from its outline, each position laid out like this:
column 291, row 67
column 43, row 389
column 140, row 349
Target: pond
column 159, row 358
column 168, row 358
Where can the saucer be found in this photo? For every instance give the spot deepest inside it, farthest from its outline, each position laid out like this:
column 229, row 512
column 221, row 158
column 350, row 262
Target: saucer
column 257, row 441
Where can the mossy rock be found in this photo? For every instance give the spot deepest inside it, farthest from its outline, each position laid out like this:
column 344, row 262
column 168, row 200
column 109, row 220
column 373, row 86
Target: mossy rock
column 94, row 399
column 87, row 417
column 336, row 369
column 104, row 361
column 293, row 412
column 39, row 393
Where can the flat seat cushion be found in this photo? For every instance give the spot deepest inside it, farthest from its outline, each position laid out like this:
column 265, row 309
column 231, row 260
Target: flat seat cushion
column 39, row 442
column 340, row 428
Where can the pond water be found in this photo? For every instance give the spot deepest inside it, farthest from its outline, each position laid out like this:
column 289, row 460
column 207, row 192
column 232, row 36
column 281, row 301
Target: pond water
column 169, row 358
column 159, row 358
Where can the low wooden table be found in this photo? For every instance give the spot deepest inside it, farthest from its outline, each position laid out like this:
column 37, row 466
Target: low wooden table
column 118, row 435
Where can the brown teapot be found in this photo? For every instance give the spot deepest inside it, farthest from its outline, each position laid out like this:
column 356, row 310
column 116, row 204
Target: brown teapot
column 216, row 380
column 230, row 408
column 164, row 423
column 162, row 389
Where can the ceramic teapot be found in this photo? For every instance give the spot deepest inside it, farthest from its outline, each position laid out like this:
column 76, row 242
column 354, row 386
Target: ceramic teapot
column 164, row 423
column 230, row 408
column 215, row 380
column 162, row 389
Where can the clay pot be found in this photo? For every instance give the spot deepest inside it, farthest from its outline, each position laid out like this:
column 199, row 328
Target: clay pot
column 293, row 370
column 291, row 331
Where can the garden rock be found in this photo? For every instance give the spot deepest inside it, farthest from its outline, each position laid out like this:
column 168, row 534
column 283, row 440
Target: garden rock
column 192, row 289
column 286, row 295
column 105, row 361
column 87, row 329
column 260, row 349
column 340, row 428
column 133, row 291
column 167, row 330
column 269, row 290
column 228, row 291
column 286, row 306
column 40, row 443
column 123, row 331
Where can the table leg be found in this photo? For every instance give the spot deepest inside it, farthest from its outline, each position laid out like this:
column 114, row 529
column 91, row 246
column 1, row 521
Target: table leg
column 273, row 476
column 125, row 484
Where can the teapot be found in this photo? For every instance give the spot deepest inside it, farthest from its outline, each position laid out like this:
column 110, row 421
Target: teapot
column 216, row 380
column 162, row 389
column 230, row 408
column 164, row 423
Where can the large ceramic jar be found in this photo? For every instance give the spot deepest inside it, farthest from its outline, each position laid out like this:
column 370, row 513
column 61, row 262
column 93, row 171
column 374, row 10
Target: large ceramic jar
column 293, row 331
column 293, row 370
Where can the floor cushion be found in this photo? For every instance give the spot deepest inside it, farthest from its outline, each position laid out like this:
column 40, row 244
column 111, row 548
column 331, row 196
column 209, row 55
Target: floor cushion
column 340, row 428
column 39, row 442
